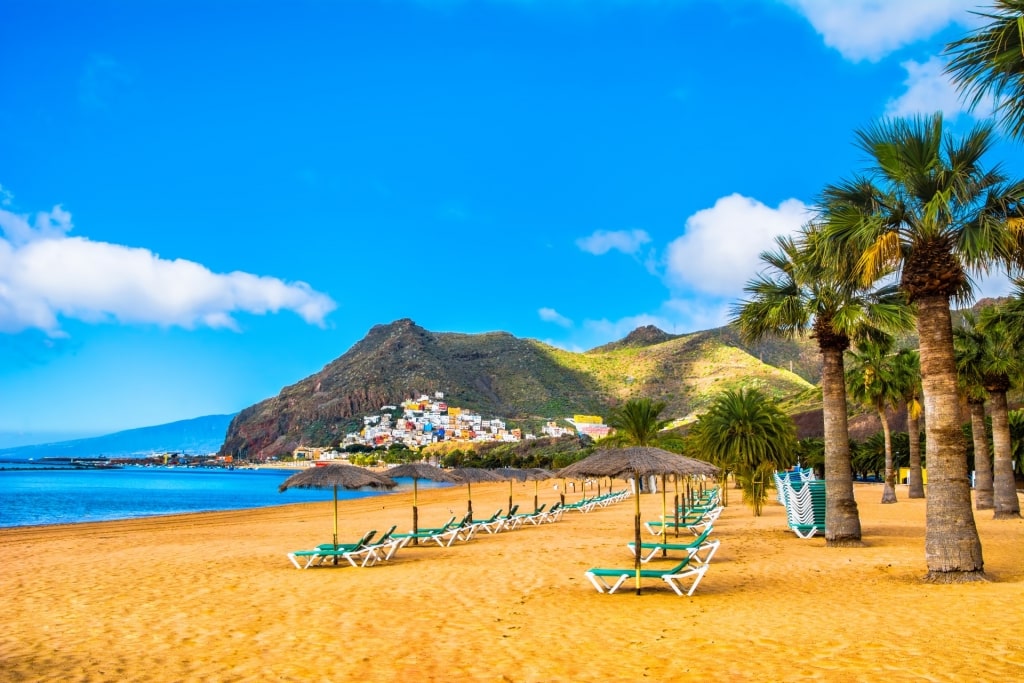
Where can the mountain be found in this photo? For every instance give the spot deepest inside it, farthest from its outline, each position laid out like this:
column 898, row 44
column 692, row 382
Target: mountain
column 523, row 381
column 196, row 436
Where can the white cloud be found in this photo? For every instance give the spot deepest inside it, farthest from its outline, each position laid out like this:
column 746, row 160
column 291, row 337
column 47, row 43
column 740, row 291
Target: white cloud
column 48, row 224
column 552, row 316
column 46, row 275
column 718, row 253
column 930, row 90
column 871, row 29
column 603, row 241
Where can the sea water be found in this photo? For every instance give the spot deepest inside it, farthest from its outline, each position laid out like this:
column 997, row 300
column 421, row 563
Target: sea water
column 36, row 496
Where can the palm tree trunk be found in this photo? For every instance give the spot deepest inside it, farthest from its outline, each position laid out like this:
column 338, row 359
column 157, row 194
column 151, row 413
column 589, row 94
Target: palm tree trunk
column 952, row 547
column 982, row 458
column 1004, row 486
column 915, row 482
column 889, row 488
column 842, row 521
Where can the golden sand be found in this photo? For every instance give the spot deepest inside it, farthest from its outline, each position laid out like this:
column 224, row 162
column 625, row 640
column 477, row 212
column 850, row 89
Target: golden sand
column 212, row 597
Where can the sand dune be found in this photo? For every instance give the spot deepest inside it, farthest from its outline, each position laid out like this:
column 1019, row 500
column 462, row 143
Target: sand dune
column 212, row 597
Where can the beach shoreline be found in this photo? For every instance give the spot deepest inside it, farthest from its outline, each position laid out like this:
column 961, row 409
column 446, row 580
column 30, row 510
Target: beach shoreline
column 212, row 596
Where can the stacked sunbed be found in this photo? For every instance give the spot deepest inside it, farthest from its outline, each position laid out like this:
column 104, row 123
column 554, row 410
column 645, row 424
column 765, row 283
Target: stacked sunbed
column 805, row 505
column 795, row 476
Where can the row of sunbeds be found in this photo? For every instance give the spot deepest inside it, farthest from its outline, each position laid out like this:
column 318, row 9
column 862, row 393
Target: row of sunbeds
column 683, row 577
column 371, row 549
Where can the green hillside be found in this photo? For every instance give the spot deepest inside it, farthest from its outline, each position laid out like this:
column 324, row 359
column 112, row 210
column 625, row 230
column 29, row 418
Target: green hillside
column 520, row 380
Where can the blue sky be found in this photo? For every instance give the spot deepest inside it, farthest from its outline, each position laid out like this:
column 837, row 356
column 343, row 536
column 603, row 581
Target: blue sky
column 203, row 202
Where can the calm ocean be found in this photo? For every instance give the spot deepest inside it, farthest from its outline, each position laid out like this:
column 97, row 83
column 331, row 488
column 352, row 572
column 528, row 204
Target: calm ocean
column 60, row 496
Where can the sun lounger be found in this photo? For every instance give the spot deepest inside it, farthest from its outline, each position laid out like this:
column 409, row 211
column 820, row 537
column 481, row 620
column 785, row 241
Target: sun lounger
column 699, row 549
column 428, row 533
column 492, row 525
column 323, row 551
column 463, row 531
column 696, row 525
column 609, row 580
column 384, row 548
column 506, row 523
column 553, row 514
column 535, row 517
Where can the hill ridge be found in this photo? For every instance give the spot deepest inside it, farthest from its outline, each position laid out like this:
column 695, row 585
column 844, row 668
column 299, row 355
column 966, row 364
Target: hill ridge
column 524, row 381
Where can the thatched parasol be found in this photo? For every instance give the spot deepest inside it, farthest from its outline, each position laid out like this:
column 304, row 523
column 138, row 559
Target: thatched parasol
column 634, row 463
column 470, row 476
column 333, row 476
column 417, row 471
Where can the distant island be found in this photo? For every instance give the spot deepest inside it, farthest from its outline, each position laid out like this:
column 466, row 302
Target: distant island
column 196, row 436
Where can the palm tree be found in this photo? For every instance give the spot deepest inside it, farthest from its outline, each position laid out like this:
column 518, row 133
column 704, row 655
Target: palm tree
column 795, row 295
column 907, row 377
column 744, row 429
column 990, row 62
column 969, row 350
column 929, row 209
column 638, row 422
column 870, row 379
column 1001, row 368
column 1017, row 438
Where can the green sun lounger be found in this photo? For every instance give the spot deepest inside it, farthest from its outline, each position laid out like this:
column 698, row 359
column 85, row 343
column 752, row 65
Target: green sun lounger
column 697, row 526
column 428, row 532
column 384, row 548
column 699, row 549
column 609, row 580
column 325, row 550
column 463, row 531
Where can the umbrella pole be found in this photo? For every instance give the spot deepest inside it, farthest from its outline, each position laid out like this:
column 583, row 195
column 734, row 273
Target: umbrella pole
column 510, row 496
column 675, row 483
column 335, row 524
column 469, row 496
column 562, row 492
column 636, row 536
column 415, row 513
column 664, row 517
column 536, row 487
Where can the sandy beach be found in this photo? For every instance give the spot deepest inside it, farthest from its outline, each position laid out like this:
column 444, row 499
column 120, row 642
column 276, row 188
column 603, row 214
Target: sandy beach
column 212, row 597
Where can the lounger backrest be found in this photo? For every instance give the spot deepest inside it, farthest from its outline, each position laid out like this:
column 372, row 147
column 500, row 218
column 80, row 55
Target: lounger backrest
column 365, row 540
column 703, row 537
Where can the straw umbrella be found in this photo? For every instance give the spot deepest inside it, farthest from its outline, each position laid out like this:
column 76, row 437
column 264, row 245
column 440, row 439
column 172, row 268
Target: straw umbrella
column 333, row 476
column 417, row 471
column 470, row 476
column 634, row 463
